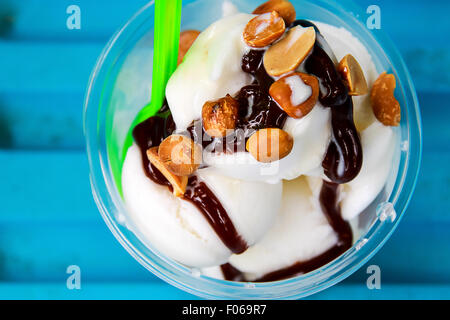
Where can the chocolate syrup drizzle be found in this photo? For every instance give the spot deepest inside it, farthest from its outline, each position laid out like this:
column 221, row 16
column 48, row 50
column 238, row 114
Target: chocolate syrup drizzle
column 330, row 206
column 204, row 199
column 342, row 162
column 151, row 133
column 343, row 159
column 258, row 110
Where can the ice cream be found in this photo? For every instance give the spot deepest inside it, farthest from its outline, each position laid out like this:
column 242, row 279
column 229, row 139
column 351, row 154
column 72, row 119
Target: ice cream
column 178, row 229
column 300, row 233
column 292, row 147
column 210, row 70
column 378, row 147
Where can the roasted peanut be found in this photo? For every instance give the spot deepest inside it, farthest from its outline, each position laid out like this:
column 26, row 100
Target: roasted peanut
column 220, row 117
column 385, row 107
column 353, row 76
column 178, row 183
column 288, row 53
column 264, row 29
column 284, row 8
column 180, row 154
column 283, row 91
column 270, row 144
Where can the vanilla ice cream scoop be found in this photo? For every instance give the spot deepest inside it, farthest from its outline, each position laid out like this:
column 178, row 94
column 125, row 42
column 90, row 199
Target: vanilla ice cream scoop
column 378, row 143
column 260, row 217
column 210, row 70
column 178, row 229
column 300, row 233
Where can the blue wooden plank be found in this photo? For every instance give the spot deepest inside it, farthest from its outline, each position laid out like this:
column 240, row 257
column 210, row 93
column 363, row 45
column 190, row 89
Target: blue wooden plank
column 31, row 19
column 46, row 81
column 416, row 253
column 161, row 291
column 35, row 19
column 46, row 66
column 41, row 120
column 45, row 186
column 41, row 251
column 431, row 199
column 92, row 291
column 406, row 22
column 435, row 113
column 428, row 67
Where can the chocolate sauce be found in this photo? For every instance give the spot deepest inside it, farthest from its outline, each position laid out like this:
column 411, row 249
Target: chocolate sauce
column 329, row 201
column 252, row 63
column 320, row 40
column 343, row 159
column 341, row 164
column 230, row 273
column 300, row 268
column 198, row 193
column 304, row 24
column 320, row 64
column 257, row 110
column 151, row 133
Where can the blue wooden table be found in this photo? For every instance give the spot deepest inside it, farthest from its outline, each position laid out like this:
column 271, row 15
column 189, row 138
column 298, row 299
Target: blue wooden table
column 49, row 221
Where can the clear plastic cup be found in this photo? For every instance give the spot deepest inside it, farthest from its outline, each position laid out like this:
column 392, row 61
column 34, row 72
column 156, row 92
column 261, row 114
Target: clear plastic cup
column 119, row 87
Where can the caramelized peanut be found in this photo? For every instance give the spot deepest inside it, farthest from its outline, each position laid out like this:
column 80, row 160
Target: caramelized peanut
column 270, row 144
column 385, row 107
column 264, row 29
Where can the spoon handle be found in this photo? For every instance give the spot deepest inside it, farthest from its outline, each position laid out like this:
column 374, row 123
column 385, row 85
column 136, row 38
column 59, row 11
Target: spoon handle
column 167, row 36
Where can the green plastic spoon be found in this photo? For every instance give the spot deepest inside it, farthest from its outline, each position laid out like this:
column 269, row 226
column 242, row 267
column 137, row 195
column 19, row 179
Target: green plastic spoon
column 165, row 57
